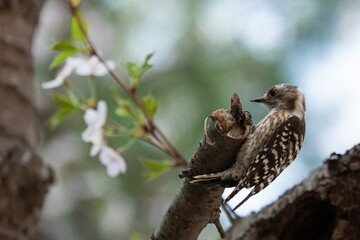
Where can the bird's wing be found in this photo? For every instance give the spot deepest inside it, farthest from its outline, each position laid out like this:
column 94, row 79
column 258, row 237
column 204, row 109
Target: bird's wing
column 278, row 152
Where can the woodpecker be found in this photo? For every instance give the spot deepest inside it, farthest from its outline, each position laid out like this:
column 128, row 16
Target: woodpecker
column 270, row 148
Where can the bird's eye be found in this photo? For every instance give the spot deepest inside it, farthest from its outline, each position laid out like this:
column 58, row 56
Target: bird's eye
column 272, row 92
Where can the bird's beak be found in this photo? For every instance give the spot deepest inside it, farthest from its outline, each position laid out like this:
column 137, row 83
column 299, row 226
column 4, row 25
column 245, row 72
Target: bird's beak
column 260, row 100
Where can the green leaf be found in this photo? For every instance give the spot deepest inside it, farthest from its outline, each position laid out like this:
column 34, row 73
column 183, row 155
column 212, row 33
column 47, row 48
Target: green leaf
column 74, row 101
column 60, row 99
column 146, row 66
column 69, row 104
column 147, row 58
column 64, row 45
column 123, row 112
column 61, row 57
column 133, row 69
column 63, row 113
column 127, row 109
column 155, row 167
column 150, row 104
column 77, row 32
column 70, row 101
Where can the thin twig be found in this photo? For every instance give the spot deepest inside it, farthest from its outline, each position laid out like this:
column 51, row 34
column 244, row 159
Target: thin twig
column 167, row 146
column 215, row 219
column 220, row 228
column 115, row 126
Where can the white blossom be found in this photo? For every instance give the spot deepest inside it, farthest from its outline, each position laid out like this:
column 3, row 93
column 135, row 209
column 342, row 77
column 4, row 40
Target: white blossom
column 113, row 161
column 93, row 67
column 83, row 66
column 70, row 64
column 95, row 120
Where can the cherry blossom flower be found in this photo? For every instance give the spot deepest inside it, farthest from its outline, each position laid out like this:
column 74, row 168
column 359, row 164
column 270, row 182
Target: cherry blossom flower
column 93, row 67
column 83, row 66
column 95, row 120
column 70, row 64
column 113, row 161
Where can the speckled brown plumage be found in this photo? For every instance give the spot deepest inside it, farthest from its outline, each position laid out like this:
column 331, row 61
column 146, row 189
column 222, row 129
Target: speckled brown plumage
column 272, row 146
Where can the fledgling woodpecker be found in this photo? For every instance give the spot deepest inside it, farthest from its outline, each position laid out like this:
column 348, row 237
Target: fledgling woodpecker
column 272, row 146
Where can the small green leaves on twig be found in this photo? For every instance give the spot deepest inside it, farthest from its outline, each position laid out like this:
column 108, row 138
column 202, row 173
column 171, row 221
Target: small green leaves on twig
column 150, row 104
column 67, row 49
column 64, row 45
column 133, row 69
column 155, row 167
column 68, row 105
column 79, row 30
column 61, row 57
column 146, row 66
column 61, row 114
column 136, row 72
column 74, row 100
column 127, row 109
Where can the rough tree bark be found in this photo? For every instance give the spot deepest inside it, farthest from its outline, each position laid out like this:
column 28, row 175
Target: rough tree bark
column 24, row 179
column 326, row 205
column 194, row 207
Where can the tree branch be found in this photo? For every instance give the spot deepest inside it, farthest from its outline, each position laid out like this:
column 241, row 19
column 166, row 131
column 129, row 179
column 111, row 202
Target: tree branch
column 194, row 207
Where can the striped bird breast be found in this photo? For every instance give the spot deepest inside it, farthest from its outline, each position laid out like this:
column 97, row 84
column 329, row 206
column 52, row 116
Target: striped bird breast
column 263, row 131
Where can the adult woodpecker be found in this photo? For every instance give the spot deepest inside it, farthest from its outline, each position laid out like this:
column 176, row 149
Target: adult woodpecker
column 272, row 146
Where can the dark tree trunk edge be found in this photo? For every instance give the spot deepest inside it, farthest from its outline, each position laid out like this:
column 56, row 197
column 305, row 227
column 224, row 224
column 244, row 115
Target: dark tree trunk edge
column 326, row 205
column 24, row 179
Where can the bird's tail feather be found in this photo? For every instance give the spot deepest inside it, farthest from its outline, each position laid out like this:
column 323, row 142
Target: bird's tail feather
column 206, row 183
column 207, row 180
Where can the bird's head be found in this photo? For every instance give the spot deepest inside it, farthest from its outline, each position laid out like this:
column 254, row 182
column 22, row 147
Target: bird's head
column 286, row 97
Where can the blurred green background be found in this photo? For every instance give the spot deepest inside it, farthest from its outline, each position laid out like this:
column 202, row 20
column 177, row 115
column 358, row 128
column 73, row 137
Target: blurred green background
column 204, row 51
